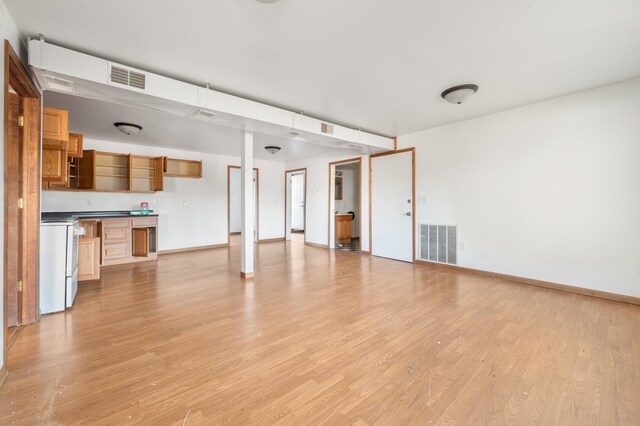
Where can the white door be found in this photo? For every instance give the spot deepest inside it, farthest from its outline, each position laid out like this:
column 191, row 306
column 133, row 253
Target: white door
column 297, row 202
column 392, row 206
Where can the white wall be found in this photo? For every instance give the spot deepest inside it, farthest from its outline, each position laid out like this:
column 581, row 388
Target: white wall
column 318, row 197
column 549, row 191
column 235, row 204
column 9, row 32
column 350, row 196
column 193, row 212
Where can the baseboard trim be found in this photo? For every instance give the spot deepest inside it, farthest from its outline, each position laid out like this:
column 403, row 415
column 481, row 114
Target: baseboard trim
column 539, row 283
column 3, row 374
column 324, row 246
column 271, row 240
column 196, row 248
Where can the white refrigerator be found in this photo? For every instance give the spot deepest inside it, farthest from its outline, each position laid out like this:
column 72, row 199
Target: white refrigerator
column 58, row 264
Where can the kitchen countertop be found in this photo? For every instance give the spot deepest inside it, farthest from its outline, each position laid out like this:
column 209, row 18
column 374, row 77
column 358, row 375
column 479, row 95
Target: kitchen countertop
column 57, row 216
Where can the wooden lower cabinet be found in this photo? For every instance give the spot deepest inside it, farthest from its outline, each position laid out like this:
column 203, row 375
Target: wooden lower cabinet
column 140, row 242
column 88, row 259
column 113, row 241
column 129, row 240
column 344, row 228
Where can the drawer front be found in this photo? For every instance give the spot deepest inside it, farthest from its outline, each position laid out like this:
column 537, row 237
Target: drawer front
column 115, row 250
column 116, row 223
column 116, row 234
column 144, row 221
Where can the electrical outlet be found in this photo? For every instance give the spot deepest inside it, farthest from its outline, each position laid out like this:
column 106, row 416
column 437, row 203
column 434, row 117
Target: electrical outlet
column 89, row 203
column 461, row 245
column 156, row 201
column 185, row 203
column 423, row 199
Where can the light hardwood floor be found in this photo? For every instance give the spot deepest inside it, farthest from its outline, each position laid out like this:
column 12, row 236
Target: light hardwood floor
column 322, row 337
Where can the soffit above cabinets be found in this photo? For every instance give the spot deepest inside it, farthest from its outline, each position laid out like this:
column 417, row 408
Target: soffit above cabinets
column 66, row 71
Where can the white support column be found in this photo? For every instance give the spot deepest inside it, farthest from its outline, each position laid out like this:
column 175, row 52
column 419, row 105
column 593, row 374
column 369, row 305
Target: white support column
column 247, row 201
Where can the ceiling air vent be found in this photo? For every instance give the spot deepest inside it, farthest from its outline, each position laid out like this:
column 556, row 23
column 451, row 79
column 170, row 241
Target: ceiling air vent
column 125, row 77
column 326, row 128
column 59, row 84
column 137, row 80
column 439, row 243
column 202, row 114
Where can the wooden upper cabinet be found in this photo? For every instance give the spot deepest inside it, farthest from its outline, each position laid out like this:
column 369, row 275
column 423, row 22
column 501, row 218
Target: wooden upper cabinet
column 55, row 145
column 87, row 170
column 175, row 167
column 55, row 124
column 54, row 161
column 147, row 173
column 75, row 145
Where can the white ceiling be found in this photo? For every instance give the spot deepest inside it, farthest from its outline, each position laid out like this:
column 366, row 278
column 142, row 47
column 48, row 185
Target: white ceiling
column 376, row 65
column 94, row 119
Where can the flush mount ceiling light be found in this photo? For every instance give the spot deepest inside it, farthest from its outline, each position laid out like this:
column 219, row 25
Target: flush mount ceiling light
column 271, row 149
column 128, row 128
column 267, row 1
column 458, row 94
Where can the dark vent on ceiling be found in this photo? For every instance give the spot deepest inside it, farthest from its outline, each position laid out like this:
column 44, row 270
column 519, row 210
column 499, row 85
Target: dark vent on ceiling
column 128, row 78
column 326, row 128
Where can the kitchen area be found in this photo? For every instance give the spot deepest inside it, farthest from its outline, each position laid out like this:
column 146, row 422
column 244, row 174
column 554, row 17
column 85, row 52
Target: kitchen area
column 75, row 245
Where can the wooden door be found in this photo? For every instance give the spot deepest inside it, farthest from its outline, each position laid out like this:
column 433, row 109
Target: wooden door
column 159, row 174
column 88, row 259
column 75, row 145
column 140, row 242
column 87, row 170
column 13, row 214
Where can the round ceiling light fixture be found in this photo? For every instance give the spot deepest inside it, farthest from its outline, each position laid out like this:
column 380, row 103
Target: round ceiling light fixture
column 272, row 149
column 128, row 128
column 267, row 1
column 458, row 94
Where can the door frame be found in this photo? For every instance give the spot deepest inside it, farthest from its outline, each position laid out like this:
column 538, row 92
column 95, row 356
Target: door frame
column 17, row 77
column 331, row 184
column 413, row 196
column 303, row 169
column 257, row 238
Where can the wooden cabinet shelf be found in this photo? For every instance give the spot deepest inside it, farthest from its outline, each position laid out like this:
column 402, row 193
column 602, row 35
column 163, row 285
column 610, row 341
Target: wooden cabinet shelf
column 182, row 168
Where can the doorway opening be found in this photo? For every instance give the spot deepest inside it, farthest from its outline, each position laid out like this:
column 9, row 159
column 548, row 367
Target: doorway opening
column 234, row 203
column 345, row 204
column 295, row 215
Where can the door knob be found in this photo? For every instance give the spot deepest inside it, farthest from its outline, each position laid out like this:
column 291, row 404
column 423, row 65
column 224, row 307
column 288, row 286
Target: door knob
column 408, row 213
